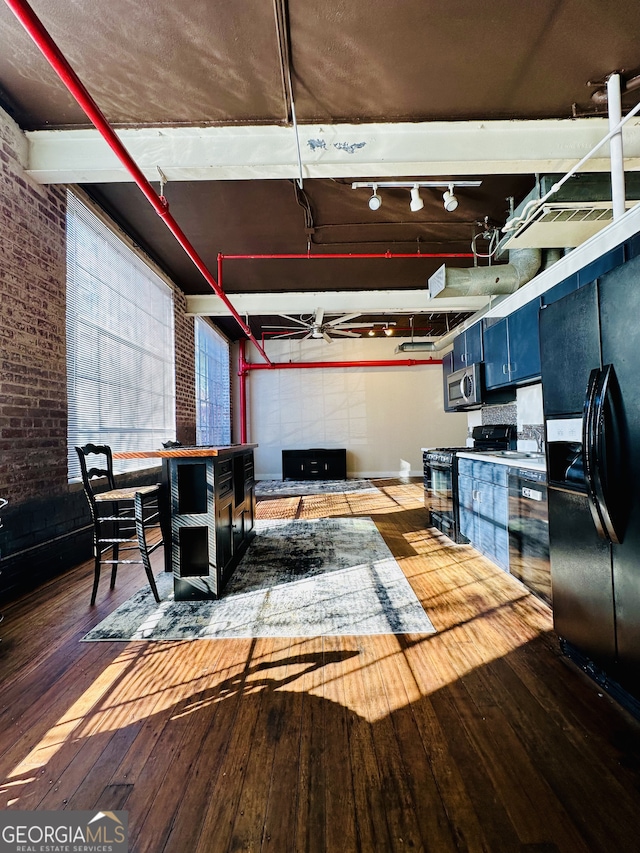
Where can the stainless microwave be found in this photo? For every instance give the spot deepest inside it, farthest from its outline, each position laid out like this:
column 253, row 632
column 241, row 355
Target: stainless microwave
column 464, row 387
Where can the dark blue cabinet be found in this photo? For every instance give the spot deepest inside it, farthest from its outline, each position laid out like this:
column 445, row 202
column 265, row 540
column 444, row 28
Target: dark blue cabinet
column 467, row 347
column 496, row 355
column 483, row 494
column 512, row 348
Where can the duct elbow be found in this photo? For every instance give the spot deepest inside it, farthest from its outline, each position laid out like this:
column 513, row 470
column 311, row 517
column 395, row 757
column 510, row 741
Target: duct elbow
column 487, row 281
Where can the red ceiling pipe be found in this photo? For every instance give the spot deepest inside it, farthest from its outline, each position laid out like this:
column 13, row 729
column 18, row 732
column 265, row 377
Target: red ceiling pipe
column 27, row 17
column 307, row 365
column 346, row 256
column 243, row 373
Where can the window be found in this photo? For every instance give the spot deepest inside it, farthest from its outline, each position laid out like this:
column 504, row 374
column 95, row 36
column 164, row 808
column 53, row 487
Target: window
column 120, row 344
column 213, row 392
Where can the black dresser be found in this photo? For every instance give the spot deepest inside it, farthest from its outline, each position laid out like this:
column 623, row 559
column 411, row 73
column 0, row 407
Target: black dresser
column 314, row 464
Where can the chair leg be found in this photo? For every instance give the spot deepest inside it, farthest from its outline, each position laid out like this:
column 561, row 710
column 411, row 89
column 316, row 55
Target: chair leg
column 115, row 548
column 96, row 571
column 142, row 544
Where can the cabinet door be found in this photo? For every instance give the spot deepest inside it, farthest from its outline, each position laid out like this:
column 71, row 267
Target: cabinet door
column 224, row 533
column 570, row 349
column 524, row 342
column 459, row 352
column 492, row 520
column 496, row 355
column 466, row 507
column 467, row 347
column 473, row 344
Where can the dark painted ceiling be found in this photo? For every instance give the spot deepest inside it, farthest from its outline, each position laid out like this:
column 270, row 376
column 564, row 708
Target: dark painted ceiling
column 211, row 62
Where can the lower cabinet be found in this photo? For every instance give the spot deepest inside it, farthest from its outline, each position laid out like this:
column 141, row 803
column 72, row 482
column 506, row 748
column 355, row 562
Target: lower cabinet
column 483, row 493
column 212, row 518
column 314, row 464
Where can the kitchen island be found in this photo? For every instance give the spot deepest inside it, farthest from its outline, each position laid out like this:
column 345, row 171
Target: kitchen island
column 208, row 513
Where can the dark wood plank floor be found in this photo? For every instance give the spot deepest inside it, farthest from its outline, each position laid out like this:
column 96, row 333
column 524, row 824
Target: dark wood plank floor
column 478, row 738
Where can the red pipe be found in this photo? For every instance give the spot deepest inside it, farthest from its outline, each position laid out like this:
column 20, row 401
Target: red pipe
column 242, row 373
column 307, row 365
column 27, row 17
column 346, row 256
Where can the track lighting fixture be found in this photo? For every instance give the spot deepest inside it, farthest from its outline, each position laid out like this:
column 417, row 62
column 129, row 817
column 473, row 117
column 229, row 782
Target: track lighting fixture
column 449, row 200
column 375, row 201
column 417, row 203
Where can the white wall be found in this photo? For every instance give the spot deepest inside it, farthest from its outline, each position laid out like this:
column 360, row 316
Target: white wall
column 382, row 415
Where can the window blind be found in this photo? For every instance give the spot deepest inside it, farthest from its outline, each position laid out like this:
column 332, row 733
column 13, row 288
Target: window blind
column 213, row 381
column 120, row 344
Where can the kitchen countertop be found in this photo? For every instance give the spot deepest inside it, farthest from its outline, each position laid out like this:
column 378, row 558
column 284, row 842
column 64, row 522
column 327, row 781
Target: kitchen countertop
column 182, row 452
column 513, row 458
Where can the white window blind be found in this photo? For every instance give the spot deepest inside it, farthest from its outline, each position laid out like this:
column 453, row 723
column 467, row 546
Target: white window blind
column 213, row 391
column 120, row 344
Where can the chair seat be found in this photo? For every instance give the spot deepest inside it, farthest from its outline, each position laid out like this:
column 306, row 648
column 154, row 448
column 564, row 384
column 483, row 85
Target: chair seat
column 125, row 494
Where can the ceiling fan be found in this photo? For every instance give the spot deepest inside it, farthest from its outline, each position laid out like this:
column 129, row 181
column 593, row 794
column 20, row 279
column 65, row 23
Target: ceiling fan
column 315, row 326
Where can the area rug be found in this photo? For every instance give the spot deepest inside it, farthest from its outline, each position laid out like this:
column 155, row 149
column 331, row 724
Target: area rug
column 299, row 578
column 295, row 488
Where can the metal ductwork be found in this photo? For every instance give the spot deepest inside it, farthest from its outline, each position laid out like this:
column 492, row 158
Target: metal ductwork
column 486, row 281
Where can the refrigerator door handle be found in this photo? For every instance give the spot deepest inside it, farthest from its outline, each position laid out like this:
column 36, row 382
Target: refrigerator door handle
column 603, row 389
column 590, row 452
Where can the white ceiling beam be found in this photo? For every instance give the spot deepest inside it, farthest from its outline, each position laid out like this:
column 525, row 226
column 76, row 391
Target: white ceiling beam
column 329, row 151
column 338, row 302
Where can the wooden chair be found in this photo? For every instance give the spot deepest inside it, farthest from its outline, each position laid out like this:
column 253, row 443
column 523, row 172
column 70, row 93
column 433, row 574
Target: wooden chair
column 121, row 517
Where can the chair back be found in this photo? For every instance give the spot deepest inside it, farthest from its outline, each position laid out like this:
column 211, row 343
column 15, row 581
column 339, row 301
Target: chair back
column 101, row 466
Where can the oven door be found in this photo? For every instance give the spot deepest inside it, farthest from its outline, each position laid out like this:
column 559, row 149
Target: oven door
column 439, row 494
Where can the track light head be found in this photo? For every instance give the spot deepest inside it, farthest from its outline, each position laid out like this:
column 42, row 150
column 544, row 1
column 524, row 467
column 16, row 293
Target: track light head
column 416, row 202
column 375, row 201
column 449, row 200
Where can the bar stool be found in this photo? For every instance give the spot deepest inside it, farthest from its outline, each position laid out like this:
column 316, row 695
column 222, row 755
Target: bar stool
column 121, row 517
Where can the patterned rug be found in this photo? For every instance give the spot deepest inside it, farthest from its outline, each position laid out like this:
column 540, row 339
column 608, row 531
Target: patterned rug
column 296, row 488
column 299, row 578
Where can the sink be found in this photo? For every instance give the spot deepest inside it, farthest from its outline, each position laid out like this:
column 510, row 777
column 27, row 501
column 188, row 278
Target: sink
column 519, row 454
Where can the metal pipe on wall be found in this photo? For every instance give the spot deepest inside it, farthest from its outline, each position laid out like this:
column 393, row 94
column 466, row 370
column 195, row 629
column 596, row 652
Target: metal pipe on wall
column 52, row 53
column 344, row 256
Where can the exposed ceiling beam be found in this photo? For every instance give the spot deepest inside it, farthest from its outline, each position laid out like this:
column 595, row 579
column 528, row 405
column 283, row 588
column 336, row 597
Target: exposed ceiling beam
column 339, row 302
column 329, row 151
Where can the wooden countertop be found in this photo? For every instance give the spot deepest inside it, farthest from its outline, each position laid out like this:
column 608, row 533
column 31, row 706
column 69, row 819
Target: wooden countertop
column 181, row 452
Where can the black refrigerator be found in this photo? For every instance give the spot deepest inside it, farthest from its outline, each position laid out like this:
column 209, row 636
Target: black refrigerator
column 590, row 349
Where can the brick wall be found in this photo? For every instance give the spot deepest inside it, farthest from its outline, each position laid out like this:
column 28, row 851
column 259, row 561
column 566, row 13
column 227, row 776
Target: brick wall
column 46, row 526
column 185, row 372
column 33, row 407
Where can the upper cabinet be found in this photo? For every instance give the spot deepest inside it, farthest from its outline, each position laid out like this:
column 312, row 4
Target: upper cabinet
column 512, row 348
column 467, row 347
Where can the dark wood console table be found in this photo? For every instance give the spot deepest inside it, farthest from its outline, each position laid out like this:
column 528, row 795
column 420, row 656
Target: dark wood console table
column 208, row 514
column 314, row 464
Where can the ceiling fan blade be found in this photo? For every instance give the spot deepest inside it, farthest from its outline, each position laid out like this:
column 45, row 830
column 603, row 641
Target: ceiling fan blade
column 343, row 319
column 295, row 320
column 318, row 318
column 351, row 326
column 289, row 334
column 327, row 337
column 283, row 328
column 346, row 334
column 307, row 336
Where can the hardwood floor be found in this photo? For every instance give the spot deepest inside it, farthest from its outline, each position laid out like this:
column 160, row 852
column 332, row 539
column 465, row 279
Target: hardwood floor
column 480, row 737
